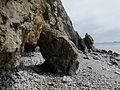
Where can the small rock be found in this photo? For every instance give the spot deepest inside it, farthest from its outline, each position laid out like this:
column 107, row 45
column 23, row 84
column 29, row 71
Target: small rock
column 37, row 49
column 89, row 67
column 117, row 58
column 113, row 62
column 109, row 64
column 36, row 80
column 116, row 54
column 111, row 57
column 50, row 84
column 86, row 57
column 94, row 53
column 110, row 52
column 96, row 58
column 104, row 51
column 66, row 79
column 117, row 72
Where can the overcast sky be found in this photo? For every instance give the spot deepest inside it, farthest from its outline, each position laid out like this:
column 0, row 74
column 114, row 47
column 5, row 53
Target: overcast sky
column 99, row 18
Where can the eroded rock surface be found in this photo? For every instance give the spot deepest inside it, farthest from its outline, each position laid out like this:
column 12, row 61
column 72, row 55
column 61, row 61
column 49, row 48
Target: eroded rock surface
column 22, row 22
column 59, row 52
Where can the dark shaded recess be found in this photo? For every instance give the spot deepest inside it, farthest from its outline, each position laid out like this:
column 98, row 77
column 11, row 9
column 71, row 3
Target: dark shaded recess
column 4, row 18
column 79, row 42
column 50, row 2
column 45, row 14
column 46, row 48
column 27, row 18
column 7, row 58
column 47, row 67
column 29, row 47
column 15, row 25
column 30, row 1
column 6, row 1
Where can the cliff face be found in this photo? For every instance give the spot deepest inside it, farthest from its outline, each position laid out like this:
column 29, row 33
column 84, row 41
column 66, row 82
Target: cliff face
column 56, row 16
column 37, row 22
column 20, row 22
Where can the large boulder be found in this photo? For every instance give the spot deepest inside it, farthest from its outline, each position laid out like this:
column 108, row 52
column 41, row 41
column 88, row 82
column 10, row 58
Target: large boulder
column 59, row 52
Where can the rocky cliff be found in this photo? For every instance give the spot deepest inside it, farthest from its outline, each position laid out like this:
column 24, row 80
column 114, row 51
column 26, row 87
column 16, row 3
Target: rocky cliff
column 25, row 24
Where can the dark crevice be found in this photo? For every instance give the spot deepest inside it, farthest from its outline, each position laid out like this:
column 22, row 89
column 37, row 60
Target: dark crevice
column 4, row 18
column 15, row 25
column 29, row 47
column 6, row 2
column 45, row 15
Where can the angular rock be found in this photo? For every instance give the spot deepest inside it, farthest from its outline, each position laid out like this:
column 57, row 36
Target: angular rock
column 59, row 52
column 113, row 62
column 110, row 52
column 117, row 72
column 116, row 54
column 89, row 42
column 96, row 58
column 104, row 52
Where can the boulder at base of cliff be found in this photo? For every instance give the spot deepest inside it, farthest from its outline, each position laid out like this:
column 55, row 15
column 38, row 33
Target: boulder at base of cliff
column 59, row 52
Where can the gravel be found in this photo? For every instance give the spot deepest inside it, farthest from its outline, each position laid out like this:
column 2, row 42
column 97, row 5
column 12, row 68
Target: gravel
column 94, row 74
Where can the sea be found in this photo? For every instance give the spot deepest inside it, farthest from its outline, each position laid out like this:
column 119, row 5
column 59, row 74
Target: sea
column 115, row 47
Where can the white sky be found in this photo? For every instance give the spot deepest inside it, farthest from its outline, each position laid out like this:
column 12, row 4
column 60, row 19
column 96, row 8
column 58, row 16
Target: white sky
column 99, row 18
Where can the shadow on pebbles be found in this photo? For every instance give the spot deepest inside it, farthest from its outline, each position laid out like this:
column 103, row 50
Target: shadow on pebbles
column 95, row 73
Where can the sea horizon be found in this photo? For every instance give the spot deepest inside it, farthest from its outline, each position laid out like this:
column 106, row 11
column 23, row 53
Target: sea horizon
column 114, row 46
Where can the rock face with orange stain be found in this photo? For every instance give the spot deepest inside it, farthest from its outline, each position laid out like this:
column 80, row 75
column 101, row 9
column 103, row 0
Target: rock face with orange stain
column 24, row 24
column 20, row 23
